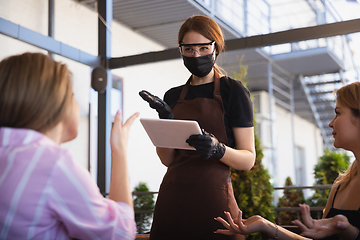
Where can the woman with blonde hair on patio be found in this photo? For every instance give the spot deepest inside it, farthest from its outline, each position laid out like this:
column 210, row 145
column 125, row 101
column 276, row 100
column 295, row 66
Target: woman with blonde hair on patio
column 45, row 194
column 341, row 219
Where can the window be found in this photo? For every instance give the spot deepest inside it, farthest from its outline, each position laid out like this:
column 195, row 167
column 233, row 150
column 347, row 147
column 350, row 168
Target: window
column 300, row 166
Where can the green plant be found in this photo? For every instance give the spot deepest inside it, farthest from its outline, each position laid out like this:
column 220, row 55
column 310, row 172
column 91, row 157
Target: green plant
column 143, row 202
column 241, row 74
column 291, row 198
column 326, row 171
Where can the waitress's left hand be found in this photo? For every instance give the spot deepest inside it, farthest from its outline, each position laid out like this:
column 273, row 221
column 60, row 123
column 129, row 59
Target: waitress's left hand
column 207, row 145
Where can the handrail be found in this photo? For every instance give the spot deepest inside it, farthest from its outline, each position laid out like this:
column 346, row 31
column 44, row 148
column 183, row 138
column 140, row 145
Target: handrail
column 319, row 210
column 280, row 209
column 144, row 193
column 325, row 186
column 304, row 187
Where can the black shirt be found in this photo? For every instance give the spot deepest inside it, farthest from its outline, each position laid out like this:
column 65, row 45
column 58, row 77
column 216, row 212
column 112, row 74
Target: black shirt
column 353, row 216
column 235, row 97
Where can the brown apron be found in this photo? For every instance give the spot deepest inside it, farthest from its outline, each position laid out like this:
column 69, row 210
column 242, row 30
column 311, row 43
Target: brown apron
column 194, row 190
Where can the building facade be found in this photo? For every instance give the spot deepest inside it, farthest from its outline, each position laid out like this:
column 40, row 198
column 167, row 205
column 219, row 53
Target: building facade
column 285, row 87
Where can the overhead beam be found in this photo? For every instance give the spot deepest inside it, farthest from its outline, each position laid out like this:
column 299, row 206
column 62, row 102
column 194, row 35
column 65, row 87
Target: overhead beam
column 295, row 35
column 288, row 36
column 47, row 43
column 168, row 54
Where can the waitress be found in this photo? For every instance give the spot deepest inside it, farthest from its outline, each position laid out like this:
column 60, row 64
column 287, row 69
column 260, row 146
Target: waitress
column 196, row 187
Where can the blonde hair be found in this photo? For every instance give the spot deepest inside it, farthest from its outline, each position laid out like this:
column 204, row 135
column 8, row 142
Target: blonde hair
column 349, row 96
column 208, row 28
column 35, row 91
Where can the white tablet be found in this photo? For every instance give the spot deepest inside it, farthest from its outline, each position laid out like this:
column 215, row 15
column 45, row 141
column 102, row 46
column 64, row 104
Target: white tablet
column 170, row 133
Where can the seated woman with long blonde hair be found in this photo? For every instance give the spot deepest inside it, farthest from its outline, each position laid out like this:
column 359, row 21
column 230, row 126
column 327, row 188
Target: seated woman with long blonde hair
column 341, row 218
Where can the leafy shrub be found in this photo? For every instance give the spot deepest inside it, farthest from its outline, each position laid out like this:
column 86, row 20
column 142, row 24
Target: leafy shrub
column 253, row 190
column 143, row 202
column 326, row 171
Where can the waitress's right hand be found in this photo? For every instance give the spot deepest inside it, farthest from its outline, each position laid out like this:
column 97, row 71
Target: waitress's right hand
column 158, row 104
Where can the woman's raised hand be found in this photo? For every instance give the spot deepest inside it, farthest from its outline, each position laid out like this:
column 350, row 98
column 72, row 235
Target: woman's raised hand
column 120, row 132
column 119, row 182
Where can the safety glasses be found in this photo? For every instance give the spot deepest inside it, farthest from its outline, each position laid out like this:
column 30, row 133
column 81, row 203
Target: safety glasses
column 202, row 49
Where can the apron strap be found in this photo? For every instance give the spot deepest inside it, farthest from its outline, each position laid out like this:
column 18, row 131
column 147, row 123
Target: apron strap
column 217, row 93
column 185, row 89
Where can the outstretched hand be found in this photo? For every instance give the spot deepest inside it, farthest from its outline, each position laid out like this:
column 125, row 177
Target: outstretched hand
column 325, row 227
column 240, row 226
column 207, row 145
column 158, row 104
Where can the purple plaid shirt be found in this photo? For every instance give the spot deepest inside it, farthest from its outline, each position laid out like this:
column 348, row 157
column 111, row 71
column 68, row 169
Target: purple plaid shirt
column 45, row 194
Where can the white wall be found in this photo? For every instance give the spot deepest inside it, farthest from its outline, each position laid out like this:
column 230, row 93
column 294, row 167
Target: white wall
column 284, row 146
column 307, row 136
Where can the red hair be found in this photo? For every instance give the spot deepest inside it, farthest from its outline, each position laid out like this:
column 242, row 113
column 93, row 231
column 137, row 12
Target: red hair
column 208, row 28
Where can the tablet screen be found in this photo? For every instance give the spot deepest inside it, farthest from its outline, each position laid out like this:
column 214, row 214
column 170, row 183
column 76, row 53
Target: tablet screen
column 170, row 133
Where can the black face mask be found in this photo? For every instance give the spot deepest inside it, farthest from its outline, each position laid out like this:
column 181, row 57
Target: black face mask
column 199, row 66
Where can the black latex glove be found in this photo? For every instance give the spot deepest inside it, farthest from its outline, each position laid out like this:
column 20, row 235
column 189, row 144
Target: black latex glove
column 207, row 145
column 158, row 104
